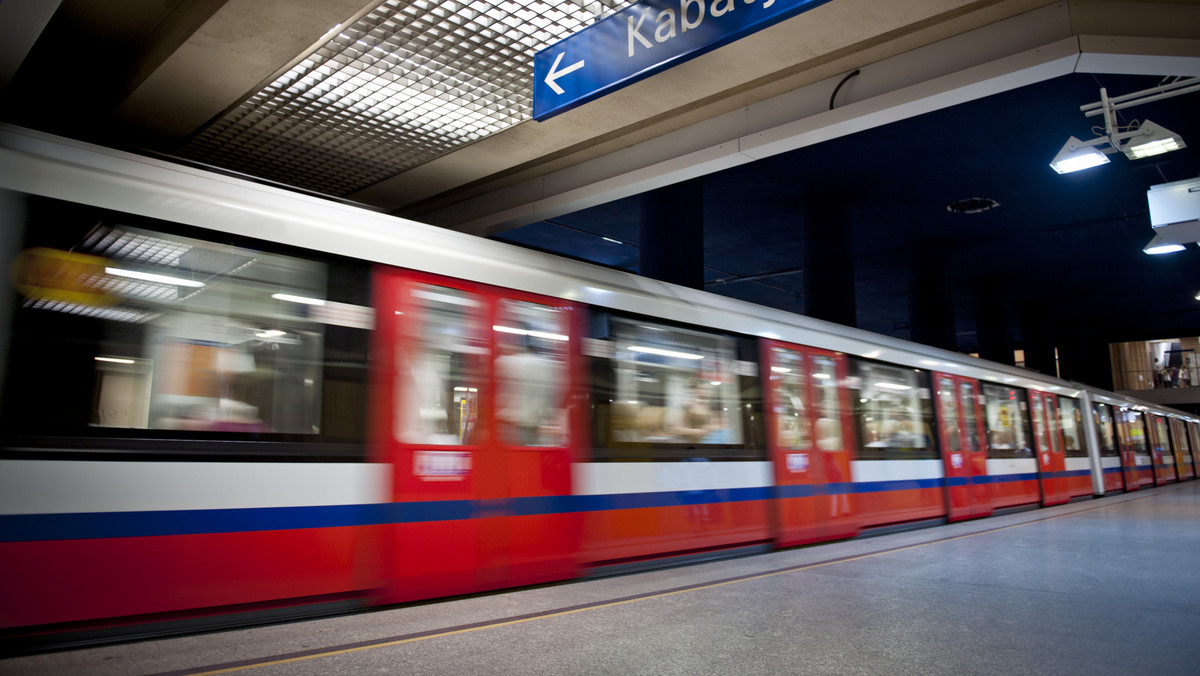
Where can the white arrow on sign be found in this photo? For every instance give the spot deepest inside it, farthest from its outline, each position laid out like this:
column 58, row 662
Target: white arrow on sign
column 554, row 73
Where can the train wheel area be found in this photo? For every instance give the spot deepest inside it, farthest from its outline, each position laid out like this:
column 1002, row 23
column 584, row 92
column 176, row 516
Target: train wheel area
column 1096, row 586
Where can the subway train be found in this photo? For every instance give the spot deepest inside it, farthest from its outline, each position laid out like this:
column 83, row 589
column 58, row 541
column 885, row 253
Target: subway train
column 225, row 403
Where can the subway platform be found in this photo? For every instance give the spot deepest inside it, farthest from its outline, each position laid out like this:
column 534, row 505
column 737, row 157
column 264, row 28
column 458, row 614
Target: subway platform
column 1103, row 586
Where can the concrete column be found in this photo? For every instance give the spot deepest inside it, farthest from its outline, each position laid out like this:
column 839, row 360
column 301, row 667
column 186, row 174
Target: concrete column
column 671, row 234
column 931, row 296
column 1037, row 338
column 992, row 332
column 828, row 259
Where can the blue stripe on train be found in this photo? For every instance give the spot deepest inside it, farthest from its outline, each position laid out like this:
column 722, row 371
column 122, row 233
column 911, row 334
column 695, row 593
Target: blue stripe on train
column 77, row 526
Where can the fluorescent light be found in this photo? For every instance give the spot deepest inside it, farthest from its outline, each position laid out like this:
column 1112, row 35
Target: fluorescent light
column 532, row 334
column 894, row 386
column 297, row 299
column 150, row 277
column 1151, row 140
column 664, row 353
column 116, row 360
column 270, row 333
column 1158, row 245
column 1076, row 155
column 821, row 376
column 610, row 239
column 780, row 369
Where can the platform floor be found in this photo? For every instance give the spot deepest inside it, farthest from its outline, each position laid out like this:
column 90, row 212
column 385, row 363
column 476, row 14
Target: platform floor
column 1106, row 586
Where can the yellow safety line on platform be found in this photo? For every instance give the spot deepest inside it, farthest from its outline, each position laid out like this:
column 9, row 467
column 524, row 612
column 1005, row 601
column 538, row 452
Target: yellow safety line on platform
column 714, row 585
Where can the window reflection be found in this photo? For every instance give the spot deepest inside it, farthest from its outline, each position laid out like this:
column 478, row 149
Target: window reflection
column 967, row 398
column 1104, row 424
column 825, row 395
column 893, row 412
column 948, row 408
column 1135, row 432
column 1070, row 414
column 672, row 387
column 1005, row 422
column 441, row 379
column 190, row 335
column 531, row 368
column 789, row 371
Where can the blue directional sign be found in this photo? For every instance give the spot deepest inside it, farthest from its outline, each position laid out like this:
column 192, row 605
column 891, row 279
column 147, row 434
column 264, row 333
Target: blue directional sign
column 641, row 40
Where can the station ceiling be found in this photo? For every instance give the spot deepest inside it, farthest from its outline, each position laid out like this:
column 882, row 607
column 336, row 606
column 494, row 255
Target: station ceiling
column 954, row 100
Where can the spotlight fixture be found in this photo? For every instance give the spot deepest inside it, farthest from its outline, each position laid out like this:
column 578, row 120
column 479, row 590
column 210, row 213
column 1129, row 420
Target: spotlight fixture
column 1148, row 139
column 1152, row 140
column 1076, row 155
column 1158, row 245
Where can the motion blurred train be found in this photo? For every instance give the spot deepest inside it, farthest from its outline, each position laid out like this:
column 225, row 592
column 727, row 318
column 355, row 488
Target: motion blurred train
column 225, row 402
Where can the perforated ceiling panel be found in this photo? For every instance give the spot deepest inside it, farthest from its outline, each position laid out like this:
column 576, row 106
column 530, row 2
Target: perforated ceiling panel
column 409, row 81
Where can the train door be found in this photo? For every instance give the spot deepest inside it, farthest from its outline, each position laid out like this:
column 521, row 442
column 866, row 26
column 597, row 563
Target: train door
column 1181, row 447
column 960, row 423
column 538, row 420
column 1110, row 448
column 1193, row 431
column 1129, row 466
column 1160, row 445
column 467, row 471
column 1078, row 468
column 1051, row 464
column 808, row 434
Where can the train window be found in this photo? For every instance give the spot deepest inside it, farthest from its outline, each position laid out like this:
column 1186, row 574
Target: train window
column 1005, row 420
column 442, row 376
column 1070, row 417
column 948, row 410
column 531, row 372
column 665, row 391
column 825, row 396
column 145, row 330
column 967, row 398
column 790, row 372
column 893, row 413
column 1104, row 424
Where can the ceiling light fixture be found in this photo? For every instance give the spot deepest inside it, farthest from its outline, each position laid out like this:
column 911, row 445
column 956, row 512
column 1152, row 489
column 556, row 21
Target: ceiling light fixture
column 1146, row 140
column 1076, row 155
column 1158, row 245
column 1152, row 140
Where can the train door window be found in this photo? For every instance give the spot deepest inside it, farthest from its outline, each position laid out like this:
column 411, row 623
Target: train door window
column 1104, row 425
column 825, row 396
column 531, row 373
column 948, row 410
column 966, row 393
column 1161, row 442
column 1005, row 419
column 1070, row 417
column 894, row 412
column 1052, row 424
column 790, row 373
column 1181, row 436
column 442, row 372
column 1039, row 423
column 1136, row 432
column 673, row 390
